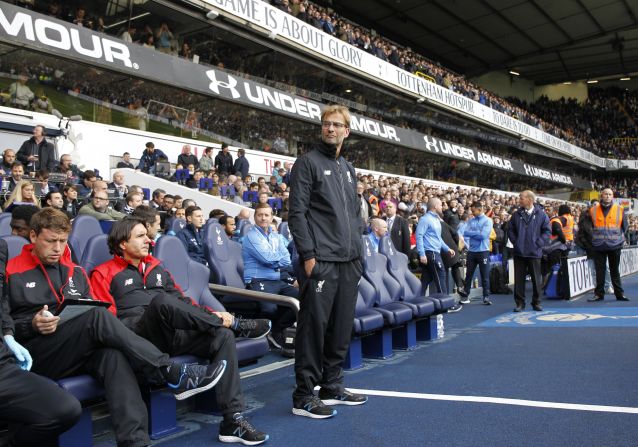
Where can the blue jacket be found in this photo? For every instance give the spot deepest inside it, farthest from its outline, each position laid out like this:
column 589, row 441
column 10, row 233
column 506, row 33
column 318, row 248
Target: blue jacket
column 241, row 165
column 428, row 234
column 374, row 241
column 265, row 255
column 147, row 161
column 193, row 241
column 477, row 233
column 529, row 233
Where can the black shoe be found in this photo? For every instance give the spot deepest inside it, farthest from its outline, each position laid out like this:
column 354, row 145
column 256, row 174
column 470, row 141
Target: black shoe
column 238, row 429
column 251, row 328
column 596, row 298
column 622, row 298
column 487, row 301
column 463, row 293
column 314, row 408
column 346, row 398
column 195, row 379
column 275, row 341
column 519, row 308
column 465, row 300
column 455, row 308
column 537, row 307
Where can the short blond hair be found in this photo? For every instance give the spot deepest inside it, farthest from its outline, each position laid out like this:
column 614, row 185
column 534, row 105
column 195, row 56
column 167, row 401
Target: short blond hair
column 336, row 109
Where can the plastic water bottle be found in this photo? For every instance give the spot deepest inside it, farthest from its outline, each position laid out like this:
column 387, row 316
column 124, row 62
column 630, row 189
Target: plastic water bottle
column 440, row 327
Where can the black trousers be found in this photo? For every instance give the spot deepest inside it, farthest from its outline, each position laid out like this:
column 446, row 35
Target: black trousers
column 282, row 317
column 434, row 273
column 600, row 260
column 179, row 328
column 97, row 343
column 457, row 277
column 482, row 260
column 37, row 410
column 324, row 326
column 521, row 267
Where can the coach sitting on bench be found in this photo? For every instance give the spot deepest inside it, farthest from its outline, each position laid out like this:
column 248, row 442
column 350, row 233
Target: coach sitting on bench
column 147, row 300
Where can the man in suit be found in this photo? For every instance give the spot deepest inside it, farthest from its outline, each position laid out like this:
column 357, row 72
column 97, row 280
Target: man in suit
column 398, row 229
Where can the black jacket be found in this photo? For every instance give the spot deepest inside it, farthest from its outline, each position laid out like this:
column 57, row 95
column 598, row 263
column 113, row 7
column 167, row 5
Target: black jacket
column 224, row 163
column 451, row 237
column 324, row 209
column 400, row 235
column 186, row 160
column 45, row 152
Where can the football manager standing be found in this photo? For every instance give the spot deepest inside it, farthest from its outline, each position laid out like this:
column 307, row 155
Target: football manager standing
column 609, row 225
column 326, row 227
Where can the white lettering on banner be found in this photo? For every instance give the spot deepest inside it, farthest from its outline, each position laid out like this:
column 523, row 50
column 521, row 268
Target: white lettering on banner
column 582, row 277
column 56, row 35
column 494, row 160
column 361, row 124
column 284, row 25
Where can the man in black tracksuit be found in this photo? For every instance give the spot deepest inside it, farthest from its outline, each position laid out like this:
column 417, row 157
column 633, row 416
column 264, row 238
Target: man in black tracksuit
column 146, row 299
column 37, row 409
column 95, row 342
column 326, row 226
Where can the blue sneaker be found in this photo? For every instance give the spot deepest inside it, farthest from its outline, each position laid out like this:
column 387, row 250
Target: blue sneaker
column 195, row 379
column 240, row 430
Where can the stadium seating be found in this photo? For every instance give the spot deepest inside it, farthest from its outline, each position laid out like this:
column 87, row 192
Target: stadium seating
column 82, row 230
column 177, row 225
column 245, row 229
column 285, row 231
column 96, row 252
column 5, row 224
column 14, row 245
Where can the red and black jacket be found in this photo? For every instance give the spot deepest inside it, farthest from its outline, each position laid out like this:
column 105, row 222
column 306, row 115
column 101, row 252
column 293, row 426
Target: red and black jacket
column 131, row 289
column 28, row 288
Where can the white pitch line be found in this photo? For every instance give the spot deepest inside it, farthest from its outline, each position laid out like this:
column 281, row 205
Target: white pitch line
column 499, row 400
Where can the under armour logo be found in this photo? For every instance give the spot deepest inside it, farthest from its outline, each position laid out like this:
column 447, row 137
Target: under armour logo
column 319, row 288
column 159, row 280
column 215, row 84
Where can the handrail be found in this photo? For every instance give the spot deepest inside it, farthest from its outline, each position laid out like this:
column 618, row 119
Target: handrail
column 287, row 301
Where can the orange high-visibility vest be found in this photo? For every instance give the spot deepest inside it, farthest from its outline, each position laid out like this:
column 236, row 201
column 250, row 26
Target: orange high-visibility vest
column 607, row 230
column 568, row 227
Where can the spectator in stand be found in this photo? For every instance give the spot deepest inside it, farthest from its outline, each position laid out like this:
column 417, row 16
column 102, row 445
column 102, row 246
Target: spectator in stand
column 100, row 186
column 125, row 162
column 451, row 216
column 152, row 221
column 529, row 231
column 67, row 167
column 224, row 161
column 241, row 166
column 71, row 205
column 398, row 229
column 22, row 194
column 8, row 158
column 268, row 268
column 155, row 308
column 499, row 241
column 206, row 161
column 186, row 157
column 86, row 187
column 19, row 92
column 149, row 157
column 102, row 346
column 42, row 178
column 21, row 219
column 194, row 181
column 477, row 234
column 37, row 153
column 430, row 245
column 118, row 184
column 157, row 198
column 133, row 200
column 192, row 235
column 286, row 177
column 99, row 208
column 365, row 211
column 54, row 199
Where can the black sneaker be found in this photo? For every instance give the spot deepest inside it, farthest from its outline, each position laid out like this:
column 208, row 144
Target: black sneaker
column 195, row 379
column 314, row 408
column 455, row 308
column 596, row 298
column 487, row 301
column 240, row 430
column 464, row 299
column 346, row 398
column 251, row 328
column 463, row 294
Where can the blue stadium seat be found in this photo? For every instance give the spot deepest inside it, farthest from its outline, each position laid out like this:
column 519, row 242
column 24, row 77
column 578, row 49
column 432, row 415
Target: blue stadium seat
column 177, row 225
column 5, row 224
column 245, row 229
column 96, row 252
column 14, row 245
column 83, row 229
column 225, row 261
column 284, row 230
column 240, row 223
column 388, row 295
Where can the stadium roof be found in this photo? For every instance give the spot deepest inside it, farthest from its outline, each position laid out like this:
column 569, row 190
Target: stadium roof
column 547, row 41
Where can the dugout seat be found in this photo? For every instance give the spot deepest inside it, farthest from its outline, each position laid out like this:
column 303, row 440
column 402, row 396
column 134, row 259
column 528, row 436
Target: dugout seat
column 82, row 230
column 14, row 245
column 96, row 252
column 5, row 224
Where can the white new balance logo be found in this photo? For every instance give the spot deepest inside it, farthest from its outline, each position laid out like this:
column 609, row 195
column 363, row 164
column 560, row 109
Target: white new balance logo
column 128, row 282
column 30, row 285
column 319, row 288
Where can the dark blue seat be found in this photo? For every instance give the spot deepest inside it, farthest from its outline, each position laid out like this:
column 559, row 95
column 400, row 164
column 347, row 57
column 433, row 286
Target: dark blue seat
column 245, row 229
column 240, row 223
column 398, row 269
column 82, row 230
column 366, row 316
column 284, row 230
column 224, row 259
column 5, row 224
column 96, row 252
column 177, row 225
column 14, row 245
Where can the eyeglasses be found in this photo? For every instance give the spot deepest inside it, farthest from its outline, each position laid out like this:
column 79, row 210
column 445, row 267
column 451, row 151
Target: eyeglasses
column 103, row 199
column 327, row 124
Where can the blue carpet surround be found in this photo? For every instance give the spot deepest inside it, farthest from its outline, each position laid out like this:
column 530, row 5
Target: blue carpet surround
column 577, row 353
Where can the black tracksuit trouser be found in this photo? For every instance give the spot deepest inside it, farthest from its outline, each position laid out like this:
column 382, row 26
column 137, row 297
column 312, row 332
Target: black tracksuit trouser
column 97, row 343
column 179, row 328
column 521, row 267
column 37, row 410
column 600, row 262
column 324, row 326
